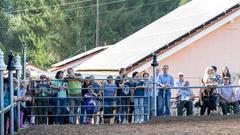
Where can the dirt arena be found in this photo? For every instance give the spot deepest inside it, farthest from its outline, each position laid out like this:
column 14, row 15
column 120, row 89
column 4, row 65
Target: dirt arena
column 197, row 125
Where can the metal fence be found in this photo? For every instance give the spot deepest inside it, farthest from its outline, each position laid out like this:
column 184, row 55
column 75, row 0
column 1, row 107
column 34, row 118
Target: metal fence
column 83, row 109
column 13, row 66
column 121, row 106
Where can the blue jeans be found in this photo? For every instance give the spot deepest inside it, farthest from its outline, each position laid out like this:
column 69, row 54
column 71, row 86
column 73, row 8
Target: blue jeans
column 74, row 103
column 118, row 110
column 82, row 110
column 108, row 108
column 62, row 109
column 148, row 106
column 138, row 109
column 162, row 102
column 53, row 110
column 185, row 104
column 125, row 102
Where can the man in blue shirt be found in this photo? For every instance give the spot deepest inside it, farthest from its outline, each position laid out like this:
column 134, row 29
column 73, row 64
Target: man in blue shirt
column 164, row 94
column 109, row 94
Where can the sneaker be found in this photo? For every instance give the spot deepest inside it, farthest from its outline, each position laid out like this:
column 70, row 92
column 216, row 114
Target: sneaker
column 125, row 122
column 214, row 113
column 25, row 126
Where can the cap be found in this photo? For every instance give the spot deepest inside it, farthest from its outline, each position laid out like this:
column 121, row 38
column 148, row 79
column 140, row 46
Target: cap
column 110, row 77
column 165, row 66
column 43, row 76
column 180, row 73
column 226, row 78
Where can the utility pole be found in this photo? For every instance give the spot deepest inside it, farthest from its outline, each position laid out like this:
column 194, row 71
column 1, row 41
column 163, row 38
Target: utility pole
column 78, row 26
column 97, row 25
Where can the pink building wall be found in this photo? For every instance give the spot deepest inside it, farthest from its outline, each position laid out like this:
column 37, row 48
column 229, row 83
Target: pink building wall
column 220, row 48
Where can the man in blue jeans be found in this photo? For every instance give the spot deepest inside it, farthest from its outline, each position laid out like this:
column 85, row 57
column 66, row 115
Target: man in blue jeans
column 164, row 94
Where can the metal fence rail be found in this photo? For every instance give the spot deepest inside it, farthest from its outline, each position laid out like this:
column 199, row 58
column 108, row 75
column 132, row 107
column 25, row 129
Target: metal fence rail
column 149, row 113
column 13, row 65
column 129, row 108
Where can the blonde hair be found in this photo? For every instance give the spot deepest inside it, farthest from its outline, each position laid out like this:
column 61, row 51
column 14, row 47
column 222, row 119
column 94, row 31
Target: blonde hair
column 206, row 75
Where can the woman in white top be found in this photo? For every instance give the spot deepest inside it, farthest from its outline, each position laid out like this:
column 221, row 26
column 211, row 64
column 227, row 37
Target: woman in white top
column 207, row 75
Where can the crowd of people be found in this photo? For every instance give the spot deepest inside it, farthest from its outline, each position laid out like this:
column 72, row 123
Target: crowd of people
column 217, row 92
column 73, row 99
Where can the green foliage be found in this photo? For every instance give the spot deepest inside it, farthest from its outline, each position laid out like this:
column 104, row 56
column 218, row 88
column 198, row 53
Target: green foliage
column 54, row 33
column 182, row 2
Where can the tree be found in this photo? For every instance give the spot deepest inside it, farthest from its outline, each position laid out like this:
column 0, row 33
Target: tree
column 57, row 29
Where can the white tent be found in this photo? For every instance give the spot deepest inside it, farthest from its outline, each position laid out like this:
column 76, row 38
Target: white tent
column 157, row 34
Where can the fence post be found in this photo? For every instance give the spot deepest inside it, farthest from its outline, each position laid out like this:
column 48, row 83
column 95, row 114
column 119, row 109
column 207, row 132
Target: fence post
column 154, row 102
column 2, row 68
column 18, row 76
column 10, row 68
column 24, row 47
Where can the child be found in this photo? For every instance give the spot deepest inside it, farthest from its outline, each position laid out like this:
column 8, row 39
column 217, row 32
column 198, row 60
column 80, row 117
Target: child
column 90, row 102
column 24, row 112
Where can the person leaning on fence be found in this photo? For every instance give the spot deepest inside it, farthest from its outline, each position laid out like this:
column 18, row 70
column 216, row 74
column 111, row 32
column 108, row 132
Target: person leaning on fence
column 24, row 112
column 132, row 81
column 138, row 100
column 52, row 101
column 42, row 91
column 90, row 98
column 165, row 81
column 75, row 94
column 83, row 110
column 208, row 97
column 125, row 98
column 30, row 87
column 96, row 88
column 118, row 81
column 109, row 94
column 228, row 98
column 148, row 96
column 7, row 103
column 185, row 99
column 61, row 87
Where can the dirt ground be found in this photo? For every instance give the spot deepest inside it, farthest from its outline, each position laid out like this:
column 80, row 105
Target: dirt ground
column 197, row 125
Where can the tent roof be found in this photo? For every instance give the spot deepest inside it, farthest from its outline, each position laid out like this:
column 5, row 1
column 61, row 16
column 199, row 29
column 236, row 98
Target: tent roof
column 157, row 34
column 68, row 60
